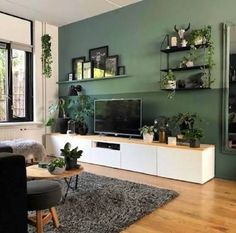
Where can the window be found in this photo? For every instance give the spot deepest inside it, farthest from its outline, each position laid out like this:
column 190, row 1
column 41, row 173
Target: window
column 16, row 85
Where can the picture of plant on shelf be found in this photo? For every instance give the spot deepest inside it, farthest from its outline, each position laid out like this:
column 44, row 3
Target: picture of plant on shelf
column 148, row 133
column 193, row 136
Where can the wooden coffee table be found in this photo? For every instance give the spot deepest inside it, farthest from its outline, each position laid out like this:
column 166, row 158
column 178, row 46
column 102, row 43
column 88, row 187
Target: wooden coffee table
column 36, row 172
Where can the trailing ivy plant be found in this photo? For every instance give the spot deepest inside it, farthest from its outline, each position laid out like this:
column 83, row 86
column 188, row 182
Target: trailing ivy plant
column 46, row 56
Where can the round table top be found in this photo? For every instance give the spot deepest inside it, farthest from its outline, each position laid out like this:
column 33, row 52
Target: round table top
column 36, row 172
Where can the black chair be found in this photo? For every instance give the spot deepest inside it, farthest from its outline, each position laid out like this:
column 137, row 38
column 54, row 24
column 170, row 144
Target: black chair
column 13, row 194
column 17, row 196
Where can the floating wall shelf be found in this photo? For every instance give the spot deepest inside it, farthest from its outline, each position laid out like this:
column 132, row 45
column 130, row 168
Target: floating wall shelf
column 93, row 79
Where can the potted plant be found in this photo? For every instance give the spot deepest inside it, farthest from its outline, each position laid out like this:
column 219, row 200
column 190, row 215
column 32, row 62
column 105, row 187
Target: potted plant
column 148, row 133
column 193, row 136
column 56, row 166
column 81, row 108
column 189, row 59
column 60, row 122
column 71, row 156
column 46, row 56
column 168, row 80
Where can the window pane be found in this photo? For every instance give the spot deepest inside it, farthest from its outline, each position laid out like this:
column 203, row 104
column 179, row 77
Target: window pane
column 3, row 84
column 18, row 83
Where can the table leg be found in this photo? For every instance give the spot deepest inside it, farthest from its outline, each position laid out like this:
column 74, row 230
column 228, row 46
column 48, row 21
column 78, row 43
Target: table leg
column 76, row 181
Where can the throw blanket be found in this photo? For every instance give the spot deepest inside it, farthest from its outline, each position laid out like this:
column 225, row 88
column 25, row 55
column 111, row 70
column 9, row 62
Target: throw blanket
column 29, row 148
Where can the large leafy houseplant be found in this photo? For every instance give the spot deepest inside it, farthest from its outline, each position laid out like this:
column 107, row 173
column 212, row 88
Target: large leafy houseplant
column 193, row 136
column 71, row 156
column 46, row 56
column 81, row 108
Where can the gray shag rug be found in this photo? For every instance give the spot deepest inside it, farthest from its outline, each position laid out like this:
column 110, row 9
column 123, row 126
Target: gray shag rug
column 106, row 205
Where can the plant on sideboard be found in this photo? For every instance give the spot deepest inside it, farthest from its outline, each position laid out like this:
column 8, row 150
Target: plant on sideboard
column 46, row 57
column 148, row 133
column 81, row 108
column 193, row 136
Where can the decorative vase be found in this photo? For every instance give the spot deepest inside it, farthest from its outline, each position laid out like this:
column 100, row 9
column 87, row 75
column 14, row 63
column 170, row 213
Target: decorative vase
column 189, row 64
column 148, row 137
column 194, row 143
column 162, row 136
column 62, row 125
column 71, row 163
column 58, row 170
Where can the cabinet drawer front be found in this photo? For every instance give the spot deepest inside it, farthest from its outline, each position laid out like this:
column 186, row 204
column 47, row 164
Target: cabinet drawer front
column 106, row 157
column 139, row 158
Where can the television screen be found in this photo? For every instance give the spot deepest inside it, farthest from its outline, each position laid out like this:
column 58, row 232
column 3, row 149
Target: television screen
column 118, row 116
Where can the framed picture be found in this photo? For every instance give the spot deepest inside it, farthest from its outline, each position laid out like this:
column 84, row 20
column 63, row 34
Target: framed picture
column 98, row 57
column 121, row 70
column 87, row 70
column 77, row 67
column 111, row 66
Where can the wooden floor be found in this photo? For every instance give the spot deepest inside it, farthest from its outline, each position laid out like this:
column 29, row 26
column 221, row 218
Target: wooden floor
column 207, row 208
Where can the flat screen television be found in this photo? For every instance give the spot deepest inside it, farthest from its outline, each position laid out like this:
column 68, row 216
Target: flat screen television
column 118, row 116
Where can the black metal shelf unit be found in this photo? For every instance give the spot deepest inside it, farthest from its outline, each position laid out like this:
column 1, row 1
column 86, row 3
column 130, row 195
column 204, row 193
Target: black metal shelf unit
column 203, row 68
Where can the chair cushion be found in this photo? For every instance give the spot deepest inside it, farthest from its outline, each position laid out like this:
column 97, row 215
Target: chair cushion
column 43, row 194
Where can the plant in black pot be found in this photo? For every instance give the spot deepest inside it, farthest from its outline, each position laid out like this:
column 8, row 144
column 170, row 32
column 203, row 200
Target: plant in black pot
column 81, row 108
column 193, row 136
column 71, row 156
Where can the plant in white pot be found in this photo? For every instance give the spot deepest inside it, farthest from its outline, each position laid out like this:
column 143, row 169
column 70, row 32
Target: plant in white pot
column 57, row 166
column 148, row 133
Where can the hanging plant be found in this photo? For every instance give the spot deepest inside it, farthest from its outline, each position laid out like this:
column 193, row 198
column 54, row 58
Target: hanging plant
column 46, row 56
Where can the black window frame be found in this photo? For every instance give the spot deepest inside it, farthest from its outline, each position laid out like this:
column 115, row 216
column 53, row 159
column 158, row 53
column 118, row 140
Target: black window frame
column 29, row 108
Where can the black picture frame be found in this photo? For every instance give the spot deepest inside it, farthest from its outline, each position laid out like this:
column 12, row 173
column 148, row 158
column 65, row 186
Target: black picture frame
column 77, row 67
column 98, row 57
column 121, row 70
column 111, row 66
column 87, row 70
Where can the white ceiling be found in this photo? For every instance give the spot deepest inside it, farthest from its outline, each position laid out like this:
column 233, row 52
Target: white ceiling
column 61, row 12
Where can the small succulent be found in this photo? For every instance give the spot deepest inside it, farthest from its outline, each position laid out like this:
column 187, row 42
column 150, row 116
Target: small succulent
column 58, row 162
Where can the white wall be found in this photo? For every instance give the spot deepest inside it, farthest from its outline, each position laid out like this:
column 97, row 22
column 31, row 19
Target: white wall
column 45, row 90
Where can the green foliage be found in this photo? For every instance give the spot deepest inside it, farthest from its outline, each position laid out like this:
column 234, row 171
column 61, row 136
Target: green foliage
column 147, row 129
column 58, row 162
column 51, row 121
column 186, row 121
column 81, row 107
column 191, row 134
column 46, row 56
column 69, row 153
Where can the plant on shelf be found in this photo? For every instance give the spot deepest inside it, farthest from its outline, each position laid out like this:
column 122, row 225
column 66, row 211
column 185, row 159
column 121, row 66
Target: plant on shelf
column 147, row 132
column 81, row 108
column 46, row 57
column 193, row 135
column 56, row 166
column 189, row 59
column 71, row 156
column 168, row 82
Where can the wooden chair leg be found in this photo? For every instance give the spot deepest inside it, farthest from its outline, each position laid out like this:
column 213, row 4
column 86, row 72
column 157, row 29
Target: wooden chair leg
column 39, row 221
column 54, row 217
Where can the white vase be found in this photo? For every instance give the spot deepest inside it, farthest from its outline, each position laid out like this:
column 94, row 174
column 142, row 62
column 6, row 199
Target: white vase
column 148, row 137
column 189, row 64
column 58, row 170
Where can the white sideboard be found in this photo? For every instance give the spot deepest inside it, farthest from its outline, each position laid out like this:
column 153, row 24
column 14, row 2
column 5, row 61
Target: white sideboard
column 176, row 162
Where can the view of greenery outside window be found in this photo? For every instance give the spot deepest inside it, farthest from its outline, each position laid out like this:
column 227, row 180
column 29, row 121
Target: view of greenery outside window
column 16, row 95
column 3, row 83
column 18, row 80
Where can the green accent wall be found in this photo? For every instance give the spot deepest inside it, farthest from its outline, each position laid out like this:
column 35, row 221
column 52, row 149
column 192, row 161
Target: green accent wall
column 135, row 33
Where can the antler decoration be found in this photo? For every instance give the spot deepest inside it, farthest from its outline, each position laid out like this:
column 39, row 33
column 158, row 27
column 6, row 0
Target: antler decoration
column 181, row 31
